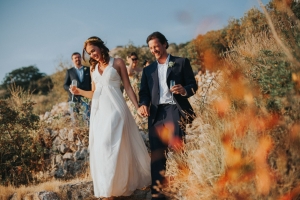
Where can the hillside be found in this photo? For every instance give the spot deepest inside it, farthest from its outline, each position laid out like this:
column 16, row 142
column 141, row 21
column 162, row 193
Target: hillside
column 243, row 142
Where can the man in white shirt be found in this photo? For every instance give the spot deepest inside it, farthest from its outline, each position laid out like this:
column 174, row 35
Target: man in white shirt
column 164, row 109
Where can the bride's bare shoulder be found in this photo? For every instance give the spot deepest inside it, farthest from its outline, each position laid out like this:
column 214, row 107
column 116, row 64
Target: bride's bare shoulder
column 119, row 63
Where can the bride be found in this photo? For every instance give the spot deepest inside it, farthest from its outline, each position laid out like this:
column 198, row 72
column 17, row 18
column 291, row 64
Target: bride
column 119, row 161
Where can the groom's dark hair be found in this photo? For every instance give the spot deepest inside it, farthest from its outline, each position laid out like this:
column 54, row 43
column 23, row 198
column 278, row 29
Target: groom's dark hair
column 162, row 39
column 75, row 53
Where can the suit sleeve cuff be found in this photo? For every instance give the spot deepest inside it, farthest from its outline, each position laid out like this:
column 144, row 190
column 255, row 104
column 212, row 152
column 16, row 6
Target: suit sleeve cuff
column 185, row 93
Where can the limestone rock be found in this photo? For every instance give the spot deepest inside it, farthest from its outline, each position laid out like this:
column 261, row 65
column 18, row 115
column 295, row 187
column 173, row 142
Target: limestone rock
column 63, row 148
column 73, row 147
column 47, row 114
column 44, row 195
column 71, row 135
column 58, row 159
column 81, row 190
column 68, row 156
column 57, row 141
column 53, row 133
column 63, row 134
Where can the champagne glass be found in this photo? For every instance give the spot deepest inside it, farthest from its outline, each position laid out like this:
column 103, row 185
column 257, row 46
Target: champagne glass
column 74, row 83
column 172, row 83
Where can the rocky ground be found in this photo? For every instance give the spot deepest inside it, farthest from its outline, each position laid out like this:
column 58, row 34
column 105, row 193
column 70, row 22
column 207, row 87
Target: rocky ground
column 79, row 191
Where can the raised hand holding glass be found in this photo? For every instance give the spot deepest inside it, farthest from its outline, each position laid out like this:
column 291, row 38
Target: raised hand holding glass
column 172, row 83
column 74, row 83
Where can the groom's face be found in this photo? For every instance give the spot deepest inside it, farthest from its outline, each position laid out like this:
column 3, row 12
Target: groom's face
column 76, row 59
column 157, row 49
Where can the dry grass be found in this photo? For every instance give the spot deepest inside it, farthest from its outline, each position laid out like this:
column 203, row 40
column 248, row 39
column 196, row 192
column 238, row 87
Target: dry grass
column 236, row 148
column 52, row 185
column 57, row 94
column 201, row 163
column 2, row 92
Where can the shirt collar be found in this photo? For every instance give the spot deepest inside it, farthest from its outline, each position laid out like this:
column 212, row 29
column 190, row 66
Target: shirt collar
column 78, row 68
column 167, row 61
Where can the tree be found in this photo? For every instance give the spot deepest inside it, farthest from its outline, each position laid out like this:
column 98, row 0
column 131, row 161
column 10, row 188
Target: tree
column 29, row 78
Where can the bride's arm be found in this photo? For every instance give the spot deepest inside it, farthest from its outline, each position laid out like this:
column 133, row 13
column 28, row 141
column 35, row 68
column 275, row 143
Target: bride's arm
column 88, row 94
column 127, row 86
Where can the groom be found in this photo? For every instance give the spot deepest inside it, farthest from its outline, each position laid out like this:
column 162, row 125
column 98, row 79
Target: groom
column 157, row 103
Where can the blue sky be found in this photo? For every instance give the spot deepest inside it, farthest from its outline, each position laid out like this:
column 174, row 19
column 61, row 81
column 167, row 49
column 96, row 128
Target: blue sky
column 41, row 32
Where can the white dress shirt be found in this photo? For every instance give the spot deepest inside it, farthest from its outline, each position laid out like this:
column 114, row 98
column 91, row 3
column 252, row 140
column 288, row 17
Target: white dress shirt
column 165, row 96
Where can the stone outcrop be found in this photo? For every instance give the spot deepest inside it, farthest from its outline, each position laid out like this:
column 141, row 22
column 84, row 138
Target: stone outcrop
column 44, row 195
column 67, row 157
column 66, row 147
column 81, row 190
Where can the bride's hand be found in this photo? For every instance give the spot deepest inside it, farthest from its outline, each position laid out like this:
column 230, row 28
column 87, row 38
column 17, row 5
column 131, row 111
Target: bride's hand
column 139, row 112
column 74, row 90
column 143, row 111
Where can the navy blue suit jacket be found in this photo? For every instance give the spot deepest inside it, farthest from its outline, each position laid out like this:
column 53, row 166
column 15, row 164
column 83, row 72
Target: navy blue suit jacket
column 182, row 73
column 86, row 84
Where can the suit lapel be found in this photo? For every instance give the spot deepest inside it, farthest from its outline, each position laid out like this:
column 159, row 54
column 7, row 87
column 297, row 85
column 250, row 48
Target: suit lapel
column 155, row 86
column 171, row 59
column 155, row 77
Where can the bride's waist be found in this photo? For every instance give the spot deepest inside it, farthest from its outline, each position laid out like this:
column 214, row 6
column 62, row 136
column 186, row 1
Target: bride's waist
column 100, row 86
column 107, row 92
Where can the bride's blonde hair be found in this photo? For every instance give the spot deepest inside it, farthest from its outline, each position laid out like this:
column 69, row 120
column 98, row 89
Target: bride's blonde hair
column 103, row 49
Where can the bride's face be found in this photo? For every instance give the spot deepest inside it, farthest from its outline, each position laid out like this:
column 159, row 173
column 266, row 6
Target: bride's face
column 94, row 52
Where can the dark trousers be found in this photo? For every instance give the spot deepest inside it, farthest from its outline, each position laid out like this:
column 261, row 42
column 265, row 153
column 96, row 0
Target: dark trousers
column 161, row 132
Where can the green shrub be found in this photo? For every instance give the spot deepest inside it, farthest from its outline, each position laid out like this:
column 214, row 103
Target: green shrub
column 20, row 150
column 273, row 74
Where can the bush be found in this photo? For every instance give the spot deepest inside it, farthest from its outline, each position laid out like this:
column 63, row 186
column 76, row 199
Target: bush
column 273, row 74
column 20, row 150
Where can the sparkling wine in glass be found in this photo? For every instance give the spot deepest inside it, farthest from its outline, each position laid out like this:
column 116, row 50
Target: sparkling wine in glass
column 172, row 83
column 74, row 83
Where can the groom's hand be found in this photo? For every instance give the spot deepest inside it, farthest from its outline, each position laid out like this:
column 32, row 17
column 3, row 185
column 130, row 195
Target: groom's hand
column 144, row 111
column 178, row 89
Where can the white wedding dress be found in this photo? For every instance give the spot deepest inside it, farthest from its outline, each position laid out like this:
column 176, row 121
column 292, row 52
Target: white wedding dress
column 119, row 161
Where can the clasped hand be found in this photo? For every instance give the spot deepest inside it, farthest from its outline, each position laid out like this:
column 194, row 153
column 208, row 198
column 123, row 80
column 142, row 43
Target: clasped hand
column 143, row 111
